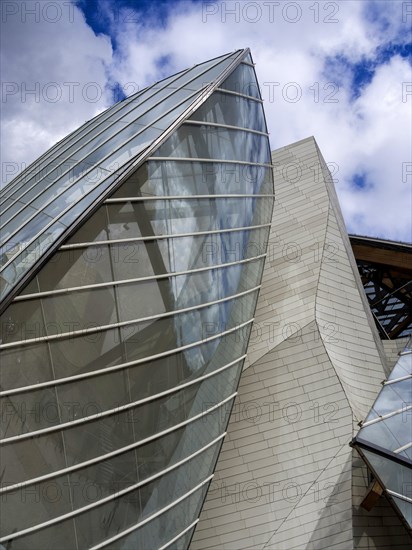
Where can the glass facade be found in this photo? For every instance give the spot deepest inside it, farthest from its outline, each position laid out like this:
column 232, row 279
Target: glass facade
column 122, row 352
column 49, row 198
column 385, row 438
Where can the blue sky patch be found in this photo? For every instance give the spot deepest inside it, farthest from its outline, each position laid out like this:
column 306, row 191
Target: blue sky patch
column 361, row 73
column 359, row 180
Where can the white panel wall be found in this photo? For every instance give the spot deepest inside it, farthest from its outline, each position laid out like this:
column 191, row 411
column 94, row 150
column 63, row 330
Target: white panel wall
column 392, row 349
column 284, row 477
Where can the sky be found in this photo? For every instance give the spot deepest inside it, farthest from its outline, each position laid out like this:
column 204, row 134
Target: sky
column 340, row 71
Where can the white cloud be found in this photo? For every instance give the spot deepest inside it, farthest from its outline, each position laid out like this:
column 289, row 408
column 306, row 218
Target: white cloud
column 54, row 78
column 369, row 135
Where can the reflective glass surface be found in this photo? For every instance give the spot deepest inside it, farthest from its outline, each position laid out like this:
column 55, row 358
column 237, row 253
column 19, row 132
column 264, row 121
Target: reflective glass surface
column 168, row 178
column 392, row 426
column 405, row 508
column 182, row 542
column 185, row 215
column 59, row 192
column 403, row 367
column 134, row 384
column 132, row 260
column 209, row 142
column 165, row 527
column 243, row 81
column 232, row 110
column 119, row 473
column 395, row 477
column 389, row 428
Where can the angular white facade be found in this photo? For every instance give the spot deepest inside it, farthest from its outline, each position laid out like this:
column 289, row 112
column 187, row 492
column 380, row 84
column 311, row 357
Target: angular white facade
column 136, row 256
column 128, row 285
column 286, row 477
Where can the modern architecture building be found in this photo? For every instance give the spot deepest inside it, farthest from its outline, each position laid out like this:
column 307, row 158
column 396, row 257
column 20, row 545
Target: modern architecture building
column 287, row 476
column 185, row 360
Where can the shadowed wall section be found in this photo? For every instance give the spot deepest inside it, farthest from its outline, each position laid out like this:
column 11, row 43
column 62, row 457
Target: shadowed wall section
column 315, row 362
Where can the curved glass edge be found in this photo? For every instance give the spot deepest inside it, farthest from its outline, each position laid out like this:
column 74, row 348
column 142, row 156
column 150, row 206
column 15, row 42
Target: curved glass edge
column 122, row 106
column 394, row 477
column 17, row 519
column 389, row 423
column 80, row 442
column 13, row 274
column 53, row 411
column 106, row 424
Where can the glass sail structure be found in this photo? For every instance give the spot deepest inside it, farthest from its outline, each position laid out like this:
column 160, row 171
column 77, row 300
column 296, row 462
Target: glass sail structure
column 385, row 438
column 128, row 299
column 39, row 206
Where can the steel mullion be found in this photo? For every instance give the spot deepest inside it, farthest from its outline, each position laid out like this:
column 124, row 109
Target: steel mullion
column 156, row 237
column 110, row 112
column 51, row 200
column 121, row 366
column 106, row 141
column 120, row 200
column 102, row 328
column 69, row 290
column 232, row 92
column 60, row 143
column 228, row 126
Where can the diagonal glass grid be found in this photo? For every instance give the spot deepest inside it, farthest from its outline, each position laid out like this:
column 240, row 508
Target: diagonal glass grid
column 39, row 226
column 385, row 438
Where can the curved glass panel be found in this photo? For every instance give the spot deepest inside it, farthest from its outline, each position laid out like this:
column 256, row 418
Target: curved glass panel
column 109, row 379
column 221, row 314
column 146, row 378
column 209, row 142
column 74, row 403
column 182, row 542
column 104, row 434
column 127, row 220
column 127, row 111
column 118, row 517
column 243, row 81
column 395, row 477
column 96, row 170
column 388, row 430
column 114, row 475
column 126, row 302
column 185, row 215
column 232, row 110
column 168, row 178
column 131, row 260
column 59, row 153
column 165, row 527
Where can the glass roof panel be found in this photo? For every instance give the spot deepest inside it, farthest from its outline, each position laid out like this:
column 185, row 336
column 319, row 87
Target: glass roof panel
column 67, row 166
column 403, row 367
column 390, row 433
column 388, row 429
column 394, row 476
column 391, row 398
column 60, row 151
column 405, row 507
column 87, row 163
column 242, row 81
